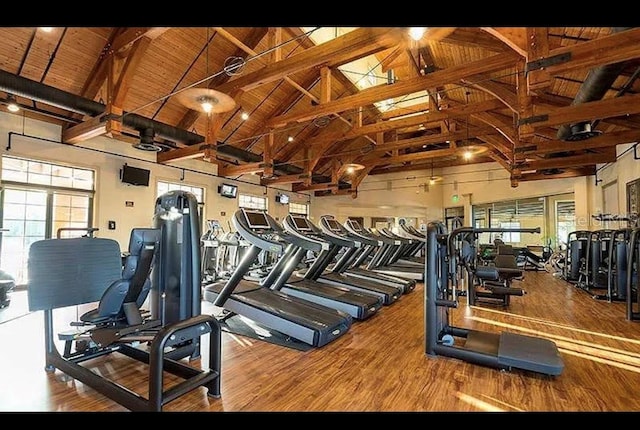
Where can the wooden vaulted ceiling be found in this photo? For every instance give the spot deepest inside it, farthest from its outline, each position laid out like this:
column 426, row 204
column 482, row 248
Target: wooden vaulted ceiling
column 503, row 92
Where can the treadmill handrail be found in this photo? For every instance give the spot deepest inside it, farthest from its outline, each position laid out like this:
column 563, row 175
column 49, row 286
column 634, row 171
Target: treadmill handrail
column 343, row 235
column 364, row 236
column 306, row 241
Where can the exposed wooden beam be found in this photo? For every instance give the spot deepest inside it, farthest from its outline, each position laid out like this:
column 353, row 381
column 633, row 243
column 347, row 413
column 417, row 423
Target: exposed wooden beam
column 230, row 170
column 388, row 59
column 186, row 153
column 499, row 159
column 129, row 70
column 431, row 139
column 615, row 48
column 500, row 144
column 99, row 72
column 537, row 47
column 406, row 158
column 132, row 34
column 314, row 187
column 287, row 103
column 567, row 173
column 384, row 92
column 601, row 141
column 287, row 179
column 414, row 120
column 341, row 50
column 588, row 111
column 513, row 37
column 475, row 37
column 498, row 123
column 571, row 161
column 97, row 126
column 381, row 170
column 500, row 91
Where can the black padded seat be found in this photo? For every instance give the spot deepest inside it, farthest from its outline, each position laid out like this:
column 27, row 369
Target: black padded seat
column 133, row 288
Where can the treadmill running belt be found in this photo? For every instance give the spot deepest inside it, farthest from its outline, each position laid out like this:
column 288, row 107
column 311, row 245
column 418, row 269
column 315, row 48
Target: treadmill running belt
column 239, row 325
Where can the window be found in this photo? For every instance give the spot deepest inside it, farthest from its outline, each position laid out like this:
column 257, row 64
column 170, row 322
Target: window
column 565, row 220
column 164, row 187
column 39, row 199
column 523, row 213
column 252, row 202
column 510, row 237
column 299, row 208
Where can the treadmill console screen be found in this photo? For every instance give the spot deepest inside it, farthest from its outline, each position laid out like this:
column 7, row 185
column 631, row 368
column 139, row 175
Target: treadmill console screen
column 256, row 219
column 334, row 225
column 300, row 223
column 355, row 225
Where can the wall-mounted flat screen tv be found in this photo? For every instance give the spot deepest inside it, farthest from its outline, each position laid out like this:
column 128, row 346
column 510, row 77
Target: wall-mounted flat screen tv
column 134, row 175
column 228, row 190
column 282, row 199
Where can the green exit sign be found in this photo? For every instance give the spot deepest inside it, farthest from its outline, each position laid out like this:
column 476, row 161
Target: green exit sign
column 455, row 198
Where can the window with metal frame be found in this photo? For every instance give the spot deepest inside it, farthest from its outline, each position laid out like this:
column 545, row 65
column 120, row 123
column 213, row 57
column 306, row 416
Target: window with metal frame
column 252, row 202
column 299, row 208
column 38, row 200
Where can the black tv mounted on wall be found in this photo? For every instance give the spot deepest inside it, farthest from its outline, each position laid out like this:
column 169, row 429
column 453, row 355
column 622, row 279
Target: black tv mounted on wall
column 282, row 199
column 228, row 190
column 134, row 175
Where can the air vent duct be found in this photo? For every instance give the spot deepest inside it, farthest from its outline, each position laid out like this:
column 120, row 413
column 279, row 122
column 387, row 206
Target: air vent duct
column 582, row 131
column 146, row 141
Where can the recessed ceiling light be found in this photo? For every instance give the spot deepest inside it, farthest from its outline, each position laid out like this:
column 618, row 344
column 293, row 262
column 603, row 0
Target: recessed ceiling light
column 290, row 139
column 244, row 116
column 46, row 29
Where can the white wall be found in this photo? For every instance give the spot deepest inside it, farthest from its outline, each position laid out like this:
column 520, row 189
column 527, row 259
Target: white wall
column 623, row 171
column 402, row 194
column 101, row 155
column 395, row 195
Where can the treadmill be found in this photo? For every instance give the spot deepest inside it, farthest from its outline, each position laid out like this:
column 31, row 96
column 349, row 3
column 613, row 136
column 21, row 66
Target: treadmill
column 300, row 225
column 359, row 304
column 353, row 265
column 305, row 321
column 383, row 261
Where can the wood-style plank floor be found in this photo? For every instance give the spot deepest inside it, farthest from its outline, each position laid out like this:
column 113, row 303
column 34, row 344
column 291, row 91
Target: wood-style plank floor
column 379, row 365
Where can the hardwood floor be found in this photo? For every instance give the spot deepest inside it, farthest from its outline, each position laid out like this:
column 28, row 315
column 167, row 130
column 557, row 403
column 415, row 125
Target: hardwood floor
column 379, row 365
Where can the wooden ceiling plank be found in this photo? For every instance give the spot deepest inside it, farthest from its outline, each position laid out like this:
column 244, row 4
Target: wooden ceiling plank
column 383, row 92
column 129, row 69
column 341, row 50
column 191, row 116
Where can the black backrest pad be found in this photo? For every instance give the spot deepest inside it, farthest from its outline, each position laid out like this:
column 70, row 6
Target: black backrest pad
column 68, row 272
